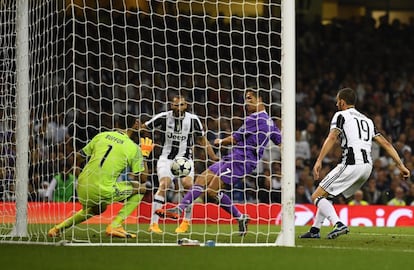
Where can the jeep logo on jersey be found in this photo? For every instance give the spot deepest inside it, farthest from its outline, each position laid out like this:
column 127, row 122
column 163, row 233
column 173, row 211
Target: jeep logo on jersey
column 177, row 137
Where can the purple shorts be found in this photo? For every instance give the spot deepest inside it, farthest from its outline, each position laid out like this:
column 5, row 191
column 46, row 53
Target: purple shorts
column 232, row 171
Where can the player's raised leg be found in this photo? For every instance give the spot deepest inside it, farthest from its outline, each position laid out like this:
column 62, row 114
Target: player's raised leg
column 196, row 190
column 188, row 199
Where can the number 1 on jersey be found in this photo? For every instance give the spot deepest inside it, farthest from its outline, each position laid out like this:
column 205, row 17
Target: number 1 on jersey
column 106, row 155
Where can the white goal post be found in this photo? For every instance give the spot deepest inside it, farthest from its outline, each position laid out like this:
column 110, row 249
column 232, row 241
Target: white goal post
column 71, row 69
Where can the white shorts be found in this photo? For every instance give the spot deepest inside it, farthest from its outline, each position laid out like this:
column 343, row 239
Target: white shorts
column 346, row 179
column 163, row 169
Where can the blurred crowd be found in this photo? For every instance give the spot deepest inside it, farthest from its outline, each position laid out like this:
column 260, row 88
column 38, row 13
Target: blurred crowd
column 372, row 57
column 206, row 65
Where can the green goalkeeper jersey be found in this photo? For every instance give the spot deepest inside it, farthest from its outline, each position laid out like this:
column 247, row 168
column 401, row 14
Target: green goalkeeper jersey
column 109, row 154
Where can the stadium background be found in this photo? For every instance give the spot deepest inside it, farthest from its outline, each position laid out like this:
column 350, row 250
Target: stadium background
column 366, row 45
column 338, row 48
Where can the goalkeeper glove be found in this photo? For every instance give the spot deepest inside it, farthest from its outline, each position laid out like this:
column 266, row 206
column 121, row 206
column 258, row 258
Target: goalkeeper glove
column 146, row 146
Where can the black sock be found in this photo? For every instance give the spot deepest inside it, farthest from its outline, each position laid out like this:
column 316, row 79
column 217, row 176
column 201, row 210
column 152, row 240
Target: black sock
column 339, row 224
column 314, row 230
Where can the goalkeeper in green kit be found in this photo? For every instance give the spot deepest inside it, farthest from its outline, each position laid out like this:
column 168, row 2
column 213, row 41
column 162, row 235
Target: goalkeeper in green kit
column 109, row 153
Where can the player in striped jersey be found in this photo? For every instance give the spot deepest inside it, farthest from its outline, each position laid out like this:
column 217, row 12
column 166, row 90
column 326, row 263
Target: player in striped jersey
column 356, row 133
column 248, row 144
column 181, row 130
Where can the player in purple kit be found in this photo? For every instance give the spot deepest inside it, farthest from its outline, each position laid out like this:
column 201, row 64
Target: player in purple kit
column 249, row 142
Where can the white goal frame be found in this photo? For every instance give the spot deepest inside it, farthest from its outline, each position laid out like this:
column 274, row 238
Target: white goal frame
column 288, row 63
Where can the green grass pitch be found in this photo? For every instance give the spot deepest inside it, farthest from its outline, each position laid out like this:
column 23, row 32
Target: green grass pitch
column 363, row 248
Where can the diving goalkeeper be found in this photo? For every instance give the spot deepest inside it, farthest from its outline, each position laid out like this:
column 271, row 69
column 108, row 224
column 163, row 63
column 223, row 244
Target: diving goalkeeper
column 109, row 153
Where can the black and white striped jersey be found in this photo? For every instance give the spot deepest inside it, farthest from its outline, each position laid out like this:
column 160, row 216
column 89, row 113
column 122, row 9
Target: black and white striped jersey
column 357, row 131
column 179, row 133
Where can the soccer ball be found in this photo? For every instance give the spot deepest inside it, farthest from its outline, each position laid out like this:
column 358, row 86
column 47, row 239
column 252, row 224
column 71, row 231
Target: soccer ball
column 181, row 167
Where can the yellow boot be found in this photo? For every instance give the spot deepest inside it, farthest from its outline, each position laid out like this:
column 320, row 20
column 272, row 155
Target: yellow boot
column 184, row 226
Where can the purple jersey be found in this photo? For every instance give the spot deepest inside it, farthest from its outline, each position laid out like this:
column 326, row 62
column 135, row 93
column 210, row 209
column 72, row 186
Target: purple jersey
column 251, row 141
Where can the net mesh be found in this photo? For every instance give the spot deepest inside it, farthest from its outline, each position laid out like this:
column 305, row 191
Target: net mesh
column 93, row 62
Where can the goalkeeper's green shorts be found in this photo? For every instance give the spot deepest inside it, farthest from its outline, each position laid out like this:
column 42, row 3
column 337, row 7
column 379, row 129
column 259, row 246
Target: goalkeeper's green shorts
column 92, row 196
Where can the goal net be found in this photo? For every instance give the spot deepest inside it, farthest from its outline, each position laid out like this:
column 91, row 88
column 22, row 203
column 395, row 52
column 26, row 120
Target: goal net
column 71, row 69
